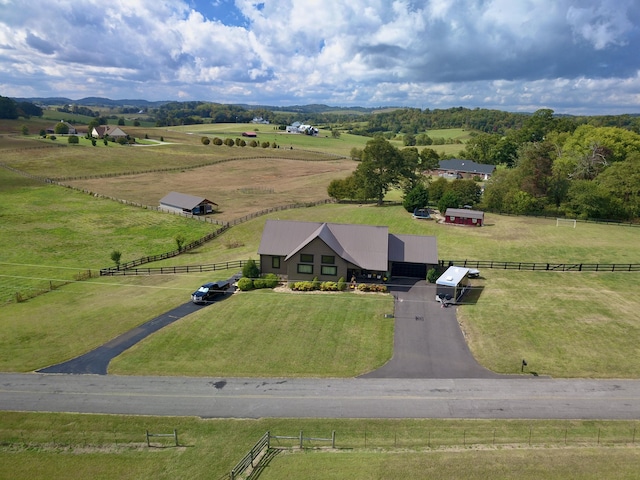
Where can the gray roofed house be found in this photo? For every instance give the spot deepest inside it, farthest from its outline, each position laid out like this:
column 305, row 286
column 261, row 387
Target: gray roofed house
column 304, row 250
column 107, row 131
column 189, row 204
column 464, row 169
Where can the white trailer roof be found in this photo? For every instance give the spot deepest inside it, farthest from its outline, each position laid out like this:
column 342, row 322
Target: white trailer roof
column 452, row 276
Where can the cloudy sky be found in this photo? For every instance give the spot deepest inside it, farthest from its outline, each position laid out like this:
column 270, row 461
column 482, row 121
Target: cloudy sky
column 573, row 56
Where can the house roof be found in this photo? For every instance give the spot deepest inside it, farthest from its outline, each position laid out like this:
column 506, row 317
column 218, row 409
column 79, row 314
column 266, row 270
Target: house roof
column 463, row 212
column 182, row 200
column 110, row 130
column 413, row 249
column 466, row 166
column 366, row 246
column 452, row 276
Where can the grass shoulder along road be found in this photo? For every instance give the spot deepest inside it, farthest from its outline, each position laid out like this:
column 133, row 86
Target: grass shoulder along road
column 51, row 445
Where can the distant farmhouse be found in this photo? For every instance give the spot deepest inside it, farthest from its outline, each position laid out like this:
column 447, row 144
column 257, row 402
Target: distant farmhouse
column 298, row 127
column 72, row 129
column 330, row 251
column 188, row 204
column 456, row 168
column 108, row 131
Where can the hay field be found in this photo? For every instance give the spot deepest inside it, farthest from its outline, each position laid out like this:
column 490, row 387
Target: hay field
column 239, row 187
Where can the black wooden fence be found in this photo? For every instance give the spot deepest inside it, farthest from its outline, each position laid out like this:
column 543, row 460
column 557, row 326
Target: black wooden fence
column 555, row 267
column 212, row 267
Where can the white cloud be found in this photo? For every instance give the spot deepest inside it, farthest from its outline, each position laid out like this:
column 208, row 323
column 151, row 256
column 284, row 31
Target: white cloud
column 428, row 53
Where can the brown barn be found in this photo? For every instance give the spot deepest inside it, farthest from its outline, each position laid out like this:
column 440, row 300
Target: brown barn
column 464, row 216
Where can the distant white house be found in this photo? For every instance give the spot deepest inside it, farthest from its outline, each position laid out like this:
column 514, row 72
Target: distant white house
column 107, row 131
column 298, row 127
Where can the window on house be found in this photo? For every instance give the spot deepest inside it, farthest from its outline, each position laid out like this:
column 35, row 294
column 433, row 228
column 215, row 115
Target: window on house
column 327, row 270
column 330, row 259
column 275, row 262
column 306, row 258
column 305, row 268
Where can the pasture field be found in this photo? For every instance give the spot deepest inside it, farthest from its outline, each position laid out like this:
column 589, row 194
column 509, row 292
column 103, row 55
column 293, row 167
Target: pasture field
column 45, row 445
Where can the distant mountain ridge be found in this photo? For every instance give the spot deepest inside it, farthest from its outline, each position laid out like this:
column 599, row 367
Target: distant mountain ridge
column 107, row 102
column 92, row 102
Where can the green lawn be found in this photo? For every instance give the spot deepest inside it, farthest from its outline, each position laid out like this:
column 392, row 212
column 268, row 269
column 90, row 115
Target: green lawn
column 328, row 335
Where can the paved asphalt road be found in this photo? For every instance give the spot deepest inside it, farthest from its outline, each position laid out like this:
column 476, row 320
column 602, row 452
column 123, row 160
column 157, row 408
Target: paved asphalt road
column 531, row 397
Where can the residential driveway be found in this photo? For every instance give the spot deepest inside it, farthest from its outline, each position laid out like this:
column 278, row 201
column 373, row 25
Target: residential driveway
column 428, row 341
column 97, row 361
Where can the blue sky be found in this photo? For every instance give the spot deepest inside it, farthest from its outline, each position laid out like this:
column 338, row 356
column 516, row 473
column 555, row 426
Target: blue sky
column 573, row 56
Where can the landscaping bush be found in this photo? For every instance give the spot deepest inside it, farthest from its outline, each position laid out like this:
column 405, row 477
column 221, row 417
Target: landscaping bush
column 342, row 285
column 302, row 286
column 259, row 283
column 250, row 269
column 73, row 139
column 432, row 275
column 329, row 287
column 271, row 280
column 372, row 287
column 316, row 283
column 245, row 284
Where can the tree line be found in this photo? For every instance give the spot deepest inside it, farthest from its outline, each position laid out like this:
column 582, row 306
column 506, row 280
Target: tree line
column 547, row 166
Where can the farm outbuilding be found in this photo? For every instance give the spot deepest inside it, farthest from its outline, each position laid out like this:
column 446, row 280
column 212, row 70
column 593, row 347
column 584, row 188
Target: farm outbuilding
column 452, row 284
column 464, row 216
column 183, row 203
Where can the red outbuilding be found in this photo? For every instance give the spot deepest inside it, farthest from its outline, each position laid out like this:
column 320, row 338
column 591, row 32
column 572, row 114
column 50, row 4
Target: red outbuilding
column 464, row 216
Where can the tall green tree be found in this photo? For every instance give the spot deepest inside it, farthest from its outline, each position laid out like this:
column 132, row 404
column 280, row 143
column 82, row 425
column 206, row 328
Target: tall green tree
column 61, row 128
column 417, row 197
column 8, row 108
column 382, row 167
column 622, row 181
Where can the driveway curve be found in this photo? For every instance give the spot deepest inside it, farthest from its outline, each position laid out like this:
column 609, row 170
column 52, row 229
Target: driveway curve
column 428, row 341
column 97, row 360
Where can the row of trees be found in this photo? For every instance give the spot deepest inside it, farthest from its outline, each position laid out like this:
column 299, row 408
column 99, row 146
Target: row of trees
column 230, row 142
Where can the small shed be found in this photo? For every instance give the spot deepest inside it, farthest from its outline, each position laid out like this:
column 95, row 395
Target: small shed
column 452, row 284
column 189, row 204
column 249, row 134
column 464, row 216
